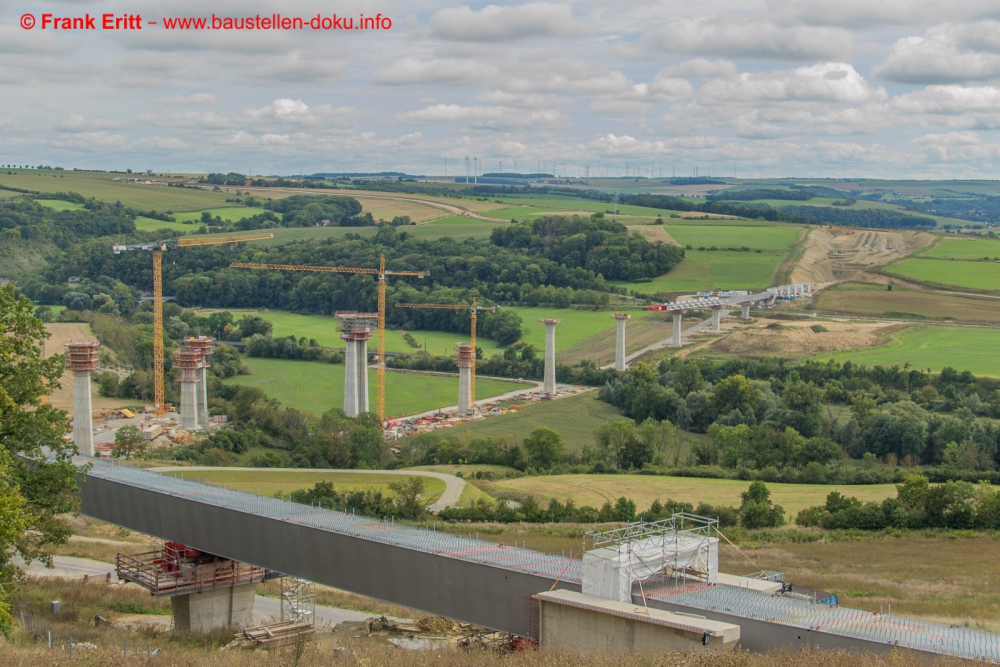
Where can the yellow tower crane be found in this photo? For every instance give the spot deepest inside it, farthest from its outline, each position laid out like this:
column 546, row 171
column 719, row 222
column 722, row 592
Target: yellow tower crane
column 474, row 309
column 158, row 248
column 380, row 273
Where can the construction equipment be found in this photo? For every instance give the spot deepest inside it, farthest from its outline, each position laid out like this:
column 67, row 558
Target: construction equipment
column 380, row 273
column 460, row 306
column 158, row 248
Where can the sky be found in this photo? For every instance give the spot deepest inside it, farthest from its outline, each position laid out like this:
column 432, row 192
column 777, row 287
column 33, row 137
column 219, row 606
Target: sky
column 804, row 88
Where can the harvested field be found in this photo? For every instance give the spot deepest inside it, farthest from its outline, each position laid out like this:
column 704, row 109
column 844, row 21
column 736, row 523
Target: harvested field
column 387, row 209
column 790, row 339
column 860, row 251
column 876, row 301
column 654, row 233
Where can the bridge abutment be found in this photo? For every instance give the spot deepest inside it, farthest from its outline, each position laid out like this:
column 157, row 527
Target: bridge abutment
column 230, row 607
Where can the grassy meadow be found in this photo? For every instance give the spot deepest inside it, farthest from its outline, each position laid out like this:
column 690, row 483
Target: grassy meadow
column 316, row 387
column 728, row 236
column 575, row 418
column 272, row 481
column 722, row 269
column 875, row 301
column 965, row 248
column 976, row 275
column 111, row 187
column 595, row 490
column 933, row 347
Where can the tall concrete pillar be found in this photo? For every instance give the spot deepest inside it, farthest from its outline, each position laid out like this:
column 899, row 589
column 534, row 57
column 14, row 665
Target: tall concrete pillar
column 620, row 340
column 203, row 345
column 549, row 380
column 188, row 361
column 81, row 358
column 362, row 346
column 351, row 378
column 465, row 353
column 716, row 319
column 678, row 318
column 746, row 310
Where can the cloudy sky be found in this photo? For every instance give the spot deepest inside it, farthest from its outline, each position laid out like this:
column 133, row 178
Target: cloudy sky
column 886, row 88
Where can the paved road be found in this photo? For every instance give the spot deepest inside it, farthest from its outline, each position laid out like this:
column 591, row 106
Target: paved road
column 453, row 486
column 70, row 567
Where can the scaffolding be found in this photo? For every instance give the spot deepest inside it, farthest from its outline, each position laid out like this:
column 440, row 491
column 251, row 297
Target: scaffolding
column 298, row 600
column 682, row 546
column 179, row 570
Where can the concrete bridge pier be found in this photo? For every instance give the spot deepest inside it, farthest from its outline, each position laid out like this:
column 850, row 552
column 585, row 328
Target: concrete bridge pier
column 549, row 381
column 620, row 318
column 746, row 310
column 678, row 319
column 351, row 378
column 81, row 358
column 230, row 607
column 716, row 318
column 465, row 354
column 362, row 346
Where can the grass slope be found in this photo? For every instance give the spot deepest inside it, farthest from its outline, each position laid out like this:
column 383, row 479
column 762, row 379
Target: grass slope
column 962, row 248
column 727, row 236
column 315, row 387
column 934, row 347
column 268, row 482
column 875, row 300
column 703, row 270
column 576, row 327
column 575, row 418
column 972, row 275
column 595, row 490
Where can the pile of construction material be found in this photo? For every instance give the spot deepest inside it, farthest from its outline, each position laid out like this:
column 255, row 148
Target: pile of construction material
column 275, row 635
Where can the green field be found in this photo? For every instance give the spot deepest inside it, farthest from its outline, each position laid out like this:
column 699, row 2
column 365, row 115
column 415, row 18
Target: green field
column 104, row 186
column 971, row 275
column 961, row 248
column 728, row 236
column 60, row 205
column 595, row 490
column 269, row 482
column 457, row 227
column 575, row 418
column 934, row 347
column 315, row 387
column 577, row 325
column 230, row 213
column 722, row 269
column 323, row 328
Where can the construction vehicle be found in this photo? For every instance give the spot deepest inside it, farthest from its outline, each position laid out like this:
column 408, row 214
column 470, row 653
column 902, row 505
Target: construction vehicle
column 474, row 309
column 158, row 248
column 380, row 273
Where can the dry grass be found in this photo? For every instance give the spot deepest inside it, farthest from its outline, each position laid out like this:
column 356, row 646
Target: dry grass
column 334, row 597
column 876, row 301
column 371, row 653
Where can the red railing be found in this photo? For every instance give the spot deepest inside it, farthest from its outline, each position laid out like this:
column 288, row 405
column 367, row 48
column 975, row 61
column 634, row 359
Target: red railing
column 163, row 577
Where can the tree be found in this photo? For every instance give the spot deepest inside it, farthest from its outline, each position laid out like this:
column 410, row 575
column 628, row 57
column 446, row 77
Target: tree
column 15, row 521
column 757, row 510
column 735, row 393
column 544, row 447
column 409, row 498
column 36, row 460
column 620, row 445
column 129, row 442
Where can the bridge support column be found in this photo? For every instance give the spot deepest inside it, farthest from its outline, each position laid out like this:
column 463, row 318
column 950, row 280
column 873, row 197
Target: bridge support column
column 465, row 353
column 202, row 392
column 362, row 346
column 678, row 318
column 351, row 378
column 620, row 318
column 230, row 607
column 189, row 404
column 83, row 410
column 746, row 310
column 549, row 381
column 716, row 319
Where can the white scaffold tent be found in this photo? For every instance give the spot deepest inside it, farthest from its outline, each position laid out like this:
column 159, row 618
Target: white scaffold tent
column 648, row 549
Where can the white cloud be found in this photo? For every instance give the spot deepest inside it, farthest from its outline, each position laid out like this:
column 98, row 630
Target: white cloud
column 824, row 82
column 451, row 71
column 735, row 35
column 502, row 23
column 74, row 122
column 865, row 13
column 700, row 68
column 485, row 117
column 947, row 53
column 194, row 99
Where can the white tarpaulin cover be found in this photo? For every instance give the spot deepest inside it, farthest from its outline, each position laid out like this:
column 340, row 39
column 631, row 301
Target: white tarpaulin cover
column 609, row 572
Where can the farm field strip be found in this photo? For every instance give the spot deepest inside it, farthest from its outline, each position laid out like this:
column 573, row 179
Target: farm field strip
column 971, row 275
column 595, row 490
column 933, row 347
column 271, row 481
column 961, row 248
column 874, row 300
column 763, row 238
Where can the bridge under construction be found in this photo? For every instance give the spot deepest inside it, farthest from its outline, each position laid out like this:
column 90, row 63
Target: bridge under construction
column 487, row 584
